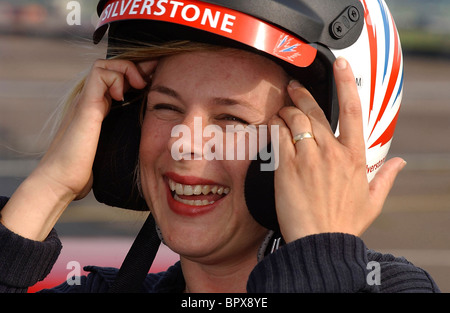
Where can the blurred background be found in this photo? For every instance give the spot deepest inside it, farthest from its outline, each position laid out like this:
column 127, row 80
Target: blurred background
column 44, row 50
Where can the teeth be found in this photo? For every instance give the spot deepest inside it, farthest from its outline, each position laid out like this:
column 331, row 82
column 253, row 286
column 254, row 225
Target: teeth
column 197, row 189
column 192, row 202
column 172, row 185
column 206, row 189
column 179, row 189
column 189, row 190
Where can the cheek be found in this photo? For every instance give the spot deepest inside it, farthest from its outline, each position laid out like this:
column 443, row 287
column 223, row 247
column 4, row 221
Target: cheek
column 237, row 171
column 243, row 219
column 154, row 138
column 152, row 155
column 153, row 152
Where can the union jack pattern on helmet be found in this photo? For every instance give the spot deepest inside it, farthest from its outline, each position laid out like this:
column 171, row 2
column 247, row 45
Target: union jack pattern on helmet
column 380, row 81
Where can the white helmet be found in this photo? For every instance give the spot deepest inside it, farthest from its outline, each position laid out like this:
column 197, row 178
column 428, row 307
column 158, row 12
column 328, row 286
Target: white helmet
column 304, row 36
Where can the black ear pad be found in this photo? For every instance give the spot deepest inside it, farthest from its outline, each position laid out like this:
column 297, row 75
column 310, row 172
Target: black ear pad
column 260, row 194
column 116, row 160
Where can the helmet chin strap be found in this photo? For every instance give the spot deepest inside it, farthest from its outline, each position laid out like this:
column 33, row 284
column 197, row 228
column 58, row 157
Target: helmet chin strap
column 138, row 261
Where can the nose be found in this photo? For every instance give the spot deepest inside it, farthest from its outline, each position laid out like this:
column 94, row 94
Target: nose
column 186, row 139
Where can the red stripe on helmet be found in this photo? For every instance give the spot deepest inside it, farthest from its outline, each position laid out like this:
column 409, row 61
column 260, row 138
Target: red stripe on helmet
column 388, row 133
column 373, row 55
column 396, row 65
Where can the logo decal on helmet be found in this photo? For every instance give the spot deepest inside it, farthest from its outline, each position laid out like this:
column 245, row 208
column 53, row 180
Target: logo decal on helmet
column 286, row 48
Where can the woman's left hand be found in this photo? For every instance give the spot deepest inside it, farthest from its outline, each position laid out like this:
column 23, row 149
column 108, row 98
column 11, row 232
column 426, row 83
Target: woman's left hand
column 321, row 184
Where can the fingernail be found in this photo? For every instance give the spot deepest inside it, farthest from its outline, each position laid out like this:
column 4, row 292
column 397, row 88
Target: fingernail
column 341, row 63
column 403, row 164
column 294, row 84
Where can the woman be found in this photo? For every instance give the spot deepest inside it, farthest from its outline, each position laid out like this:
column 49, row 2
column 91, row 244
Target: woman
column 323, row 199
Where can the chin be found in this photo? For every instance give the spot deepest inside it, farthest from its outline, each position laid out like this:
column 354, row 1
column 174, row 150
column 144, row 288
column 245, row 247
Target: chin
column 194, row 246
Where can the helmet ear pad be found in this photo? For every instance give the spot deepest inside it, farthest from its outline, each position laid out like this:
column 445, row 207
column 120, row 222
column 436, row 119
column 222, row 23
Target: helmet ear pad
column 116, row 161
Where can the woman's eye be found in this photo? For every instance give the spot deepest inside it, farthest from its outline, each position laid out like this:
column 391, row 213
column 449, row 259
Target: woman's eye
column 163, row 106
column 233, row 119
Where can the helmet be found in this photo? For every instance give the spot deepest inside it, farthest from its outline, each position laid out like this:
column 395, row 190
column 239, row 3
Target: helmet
column 303, row 36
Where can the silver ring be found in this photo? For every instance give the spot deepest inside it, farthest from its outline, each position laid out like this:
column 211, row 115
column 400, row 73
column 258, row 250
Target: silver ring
column 301, row 136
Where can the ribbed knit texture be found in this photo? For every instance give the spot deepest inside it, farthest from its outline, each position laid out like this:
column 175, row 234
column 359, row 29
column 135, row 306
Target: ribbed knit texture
column 318, row 263
column 399, row 275
column 36, row 257
column 335, row 262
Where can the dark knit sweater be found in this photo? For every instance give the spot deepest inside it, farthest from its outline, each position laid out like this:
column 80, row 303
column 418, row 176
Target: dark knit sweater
column 330, row 262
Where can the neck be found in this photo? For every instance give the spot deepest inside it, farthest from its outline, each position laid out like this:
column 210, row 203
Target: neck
column 230, row 277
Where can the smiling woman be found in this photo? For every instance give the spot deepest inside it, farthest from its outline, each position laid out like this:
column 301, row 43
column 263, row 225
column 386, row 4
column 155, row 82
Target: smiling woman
column 235, row 227
column 257, row 86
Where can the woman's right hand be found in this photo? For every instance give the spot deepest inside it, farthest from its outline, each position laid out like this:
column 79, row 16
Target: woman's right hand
column 65, row 171
column 68, row 162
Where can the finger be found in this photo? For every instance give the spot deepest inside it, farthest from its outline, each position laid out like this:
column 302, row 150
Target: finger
column 295, row 120
column 286, row 148
column 127, row 69
column 297, row 123
column 304, row 101
column 350, row 111
column 146, row 69
column 383, row 181
column 106, row 82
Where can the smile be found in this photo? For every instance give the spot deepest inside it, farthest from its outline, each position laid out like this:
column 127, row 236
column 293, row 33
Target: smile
column 197, row 195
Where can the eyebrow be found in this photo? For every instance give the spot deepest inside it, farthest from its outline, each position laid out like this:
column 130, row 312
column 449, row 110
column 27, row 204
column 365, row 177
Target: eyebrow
column 166, row 90
column 218, row 100
column 230, row 102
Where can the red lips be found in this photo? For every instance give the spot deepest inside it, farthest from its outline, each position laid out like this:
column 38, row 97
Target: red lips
column 182, row 203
